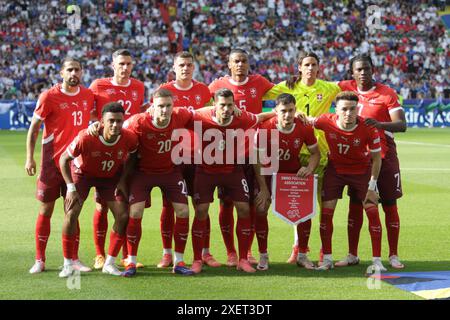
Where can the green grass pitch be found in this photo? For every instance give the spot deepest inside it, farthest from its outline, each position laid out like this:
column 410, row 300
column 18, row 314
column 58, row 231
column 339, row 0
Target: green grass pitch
column 424, row 242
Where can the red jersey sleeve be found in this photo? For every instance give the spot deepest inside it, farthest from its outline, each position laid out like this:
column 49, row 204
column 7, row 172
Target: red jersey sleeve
column 43, row 107
column 76, row 146
column 248, row 120
column 310, row 138
column 321, row 122
column 392, row 102
column 265, row 84
column 374, row 140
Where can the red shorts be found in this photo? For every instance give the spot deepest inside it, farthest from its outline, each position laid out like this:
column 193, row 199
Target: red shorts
column 105, row 187
column 389, row 182
column 252, row 184
column 234, row 184
column 171, row 184
column 188, row 173
column 50, row 183
column 334, row 183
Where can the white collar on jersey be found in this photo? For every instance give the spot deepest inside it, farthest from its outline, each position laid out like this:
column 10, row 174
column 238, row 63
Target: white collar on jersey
column 235, row 83
column 286, row 131
column 70, row 93
column 109, row 144
column 225, row 124
column 365, row 92
column 183, row 89
column 114, row 83
column 343, row 129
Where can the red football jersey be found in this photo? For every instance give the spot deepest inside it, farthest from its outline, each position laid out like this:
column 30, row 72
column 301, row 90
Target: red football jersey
column 208, row 120
column 64, row 115
column 286, row 144
column 377, row 103
column 349, row 150
column 194, row 97
column 97, row 158
column 155, row 144
column 130, row 96
column 247, row 94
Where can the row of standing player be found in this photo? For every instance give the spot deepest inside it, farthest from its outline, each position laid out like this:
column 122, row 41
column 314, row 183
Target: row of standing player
column 314, row 96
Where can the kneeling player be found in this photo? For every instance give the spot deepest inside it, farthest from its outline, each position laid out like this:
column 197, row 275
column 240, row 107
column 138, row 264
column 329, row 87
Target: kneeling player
column 353, row 145
column 292, row 134
column 98, row 163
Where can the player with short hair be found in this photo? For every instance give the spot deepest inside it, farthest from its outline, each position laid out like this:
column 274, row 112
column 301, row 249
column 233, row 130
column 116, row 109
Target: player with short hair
column 248, row 90
column 350, row 141
column 97, row 162
column 380, row 107
column 215, row 172
column 65, row 110
column 291, row 135
column 155, row 168
column 191, row 94
column 313, row 97
column 129, row 92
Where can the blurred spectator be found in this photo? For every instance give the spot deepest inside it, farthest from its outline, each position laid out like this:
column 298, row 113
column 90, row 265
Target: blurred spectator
column 409, row 49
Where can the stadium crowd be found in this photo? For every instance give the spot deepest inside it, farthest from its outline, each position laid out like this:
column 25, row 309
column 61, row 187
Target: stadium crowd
column 408, row 44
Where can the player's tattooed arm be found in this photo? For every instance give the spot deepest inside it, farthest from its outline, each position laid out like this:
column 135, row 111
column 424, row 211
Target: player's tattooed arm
column 72, row 196
column 313, row 162
column 372, row 196
column 33, row 132
column 128, row 168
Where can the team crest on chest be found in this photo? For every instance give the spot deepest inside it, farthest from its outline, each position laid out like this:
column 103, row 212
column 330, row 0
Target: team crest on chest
column 119, row 154
column 356, row 142
column 319, row 97
column 85, row 105
column 198, row 99
column 253, row 92
column 134, row 95
column 296, row 143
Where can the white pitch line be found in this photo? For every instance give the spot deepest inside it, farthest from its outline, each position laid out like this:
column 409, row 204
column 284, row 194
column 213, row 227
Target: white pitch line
column 423, row 144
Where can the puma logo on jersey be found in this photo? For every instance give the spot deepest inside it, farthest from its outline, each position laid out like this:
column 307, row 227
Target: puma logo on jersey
column 123, row 91
column 75, row 104
column 186, row 97
column 241, row 91
column 108, row 153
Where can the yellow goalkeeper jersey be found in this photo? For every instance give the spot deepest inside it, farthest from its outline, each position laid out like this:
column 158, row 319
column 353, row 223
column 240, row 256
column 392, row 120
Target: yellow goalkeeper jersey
column 313, row 100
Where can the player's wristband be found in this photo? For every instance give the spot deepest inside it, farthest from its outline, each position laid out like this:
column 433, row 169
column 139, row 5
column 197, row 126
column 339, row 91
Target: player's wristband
column 71, row 187
column 372, row 185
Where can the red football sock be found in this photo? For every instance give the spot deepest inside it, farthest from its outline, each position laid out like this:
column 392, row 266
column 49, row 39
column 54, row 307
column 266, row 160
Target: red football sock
column 262, row 232
column 326, row 229
column 253, row 227
column 167, row 224
column 115, row 243
column 207, row 235
column 76, row 244
column 134, row 232
column 303, row 232
column 226, row 222
column 243, row 230
column 374, row 230
column 100, row 228
column 355, row 222
column 124, row 250
column 41, row 235
column 181, row 233
column 198, row 232
column 68, row 242
column 392, row 227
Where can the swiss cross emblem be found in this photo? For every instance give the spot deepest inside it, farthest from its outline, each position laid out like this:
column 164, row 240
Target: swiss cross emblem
column 198, row 99
column 356, row 142
column 296, row 143
column 134, row 95
column 319, row 97
column 253, row 92
column 120, row 154
column 85, row 105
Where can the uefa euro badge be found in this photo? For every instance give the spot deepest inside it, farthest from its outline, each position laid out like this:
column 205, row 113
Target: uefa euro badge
column 294, row 198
